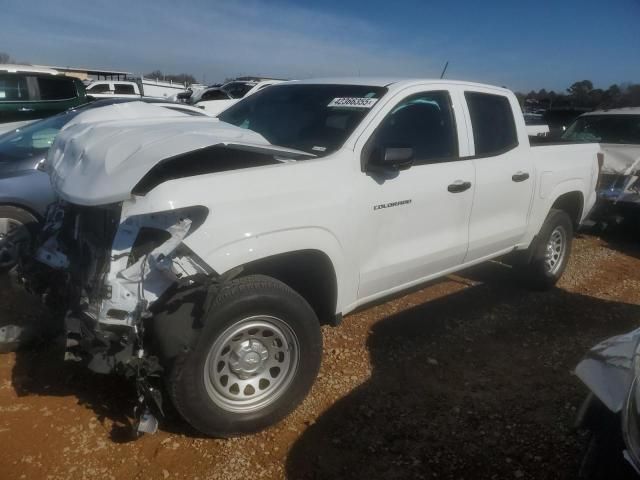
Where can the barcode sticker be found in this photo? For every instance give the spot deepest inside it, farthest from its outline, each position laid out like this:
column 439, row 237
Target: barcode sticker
column 353, row 102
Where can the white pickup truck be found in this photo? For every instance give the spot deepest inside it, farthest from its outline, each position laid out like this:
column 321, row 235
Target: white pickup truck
column 211, row 253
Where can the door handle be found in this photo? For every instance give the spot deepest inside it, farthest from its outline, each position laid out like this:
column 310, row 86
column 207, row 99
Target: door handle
column 520, row 176
column 25, row 109
column 459, row 186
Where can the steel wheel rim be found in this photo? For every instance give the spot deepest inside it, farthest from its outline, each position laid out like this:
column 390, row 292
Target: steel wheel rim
column 555, row 250
column 13, row 236
column 251, row 364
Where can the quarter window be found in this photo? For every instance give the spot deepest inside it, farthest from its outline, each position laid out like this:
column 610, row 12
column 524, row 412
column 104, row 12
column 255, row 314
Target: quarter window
column 494, row 128
column 423, row 122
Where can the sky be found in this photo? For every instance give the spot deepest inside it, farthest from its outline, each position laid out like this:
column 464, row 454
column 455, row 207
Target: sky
column 518, row 44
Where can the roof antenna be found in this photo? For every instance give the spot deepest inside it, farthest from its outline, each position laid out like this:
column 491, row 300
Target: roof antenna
column 444, row 70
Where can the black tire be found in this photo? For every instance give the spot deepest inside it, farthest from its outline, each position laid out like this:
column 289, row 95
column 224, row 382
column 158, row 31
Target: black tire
column 242, row 299
column 9, row 252
column 532, row 267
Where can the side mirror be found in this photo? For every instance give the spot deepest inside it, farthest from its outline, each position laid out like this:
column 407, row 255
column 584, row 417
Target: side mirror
column 398, row 157
column 391, row 158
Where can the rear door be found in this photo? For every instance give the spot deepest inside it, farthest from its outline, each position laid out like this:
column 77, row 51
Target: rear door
column 504, row 173
column 415, row 222
column 17, row 95
column 56, row 93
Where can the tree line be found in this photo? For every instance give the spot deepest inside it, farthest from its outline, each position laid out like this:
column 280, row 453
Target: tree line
column 583, row 95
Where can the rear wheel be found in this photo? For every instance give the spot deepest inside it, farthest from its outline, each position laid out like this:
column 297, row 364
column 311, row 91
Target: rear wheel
column 543, row 264
column 254, row 362
column 17, row 228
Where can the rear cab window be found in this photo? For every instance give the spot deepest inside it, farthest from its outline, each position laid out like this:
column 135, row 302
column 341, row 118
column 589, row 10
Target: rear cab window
column 493, row 123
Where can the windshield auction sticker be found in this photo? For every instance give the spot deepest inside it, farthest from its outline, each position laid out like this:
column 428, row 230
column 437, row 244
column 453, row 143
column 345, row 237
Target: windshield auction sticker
column 352, row 102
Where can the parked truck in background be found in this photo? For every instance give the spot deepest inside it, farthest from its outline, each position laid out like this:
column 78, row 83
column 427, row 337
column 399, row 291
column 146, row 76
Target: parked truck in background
column 209, row 254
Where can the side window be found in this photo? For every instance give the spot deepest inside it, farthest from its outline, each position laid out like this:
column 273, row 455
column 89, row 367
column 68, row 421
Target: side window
column 494, row 128
column 98, row 88
column 55, row 88
column 424, row 122
column 124, row 89
column 13, row 88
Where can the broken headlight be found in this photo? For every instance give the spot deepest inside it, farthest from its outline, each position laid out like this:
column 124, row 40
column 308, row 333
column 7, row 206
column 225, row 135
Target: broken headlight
column 147, row 257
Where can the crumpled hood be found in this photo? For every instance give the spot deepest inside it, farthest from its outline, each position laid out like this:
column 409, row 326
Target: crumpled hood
column 620, row 159
column 100, row 163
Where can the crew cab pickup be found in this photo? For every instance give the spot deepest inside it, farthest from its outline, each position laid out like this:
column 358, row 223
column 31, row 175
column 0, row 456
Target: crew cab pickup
column 209, row 253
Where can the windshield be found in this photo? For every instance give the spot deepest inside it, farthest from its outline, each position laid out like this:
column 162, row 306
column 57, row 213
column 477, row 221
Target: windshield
column 34, row 138
column 605, row 129
column 314, row 118
column 237, row 89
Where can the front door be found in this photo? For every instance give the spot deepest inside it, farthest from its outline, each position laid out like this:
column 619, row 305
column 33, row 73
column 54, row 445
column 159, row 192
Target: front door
column 415, row 221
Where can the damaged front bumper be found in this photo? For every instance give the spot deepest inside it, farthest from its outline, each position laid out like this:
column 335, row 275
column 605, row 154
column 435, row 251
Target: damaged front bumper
column 104, row 271
column 618, row 198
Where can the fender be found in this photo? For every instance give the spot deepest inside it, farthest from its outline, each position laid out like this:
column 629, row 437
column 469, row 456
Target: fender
column 260, row 246
column 14, row 188
column 548, row 193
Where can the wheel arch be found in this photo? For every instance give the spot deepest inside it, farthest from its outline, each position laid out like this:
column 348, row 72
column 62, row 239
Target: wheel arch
column 31, row 211
column 573, row 204
column 309, row 272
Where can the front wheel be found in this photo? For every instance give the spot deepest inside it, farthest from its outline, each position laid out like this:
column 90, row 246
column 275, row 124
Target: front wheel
column 544, row 263
column 17, row 229
column 254, row 362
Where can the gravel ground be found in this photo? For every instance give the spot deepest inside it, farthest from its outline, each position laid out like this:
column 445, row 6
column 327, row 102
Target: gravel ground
column 469, row 378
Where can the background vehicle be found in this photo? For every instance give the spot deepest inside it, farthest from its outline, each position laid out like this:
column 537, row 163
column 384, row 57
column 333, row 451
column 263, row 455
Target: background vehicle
column 611, row 411
column 217, row 100
column 109, row 89
column 29, row 93
column 153, row 87
column 229, row 243
column 618, row 132
column 536, row 125
column 25, row 190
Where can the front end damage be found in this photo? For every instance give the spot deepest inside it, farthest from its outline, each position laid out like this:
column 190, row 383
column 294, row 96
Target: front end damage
column 619, row 185
column 105, row 273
